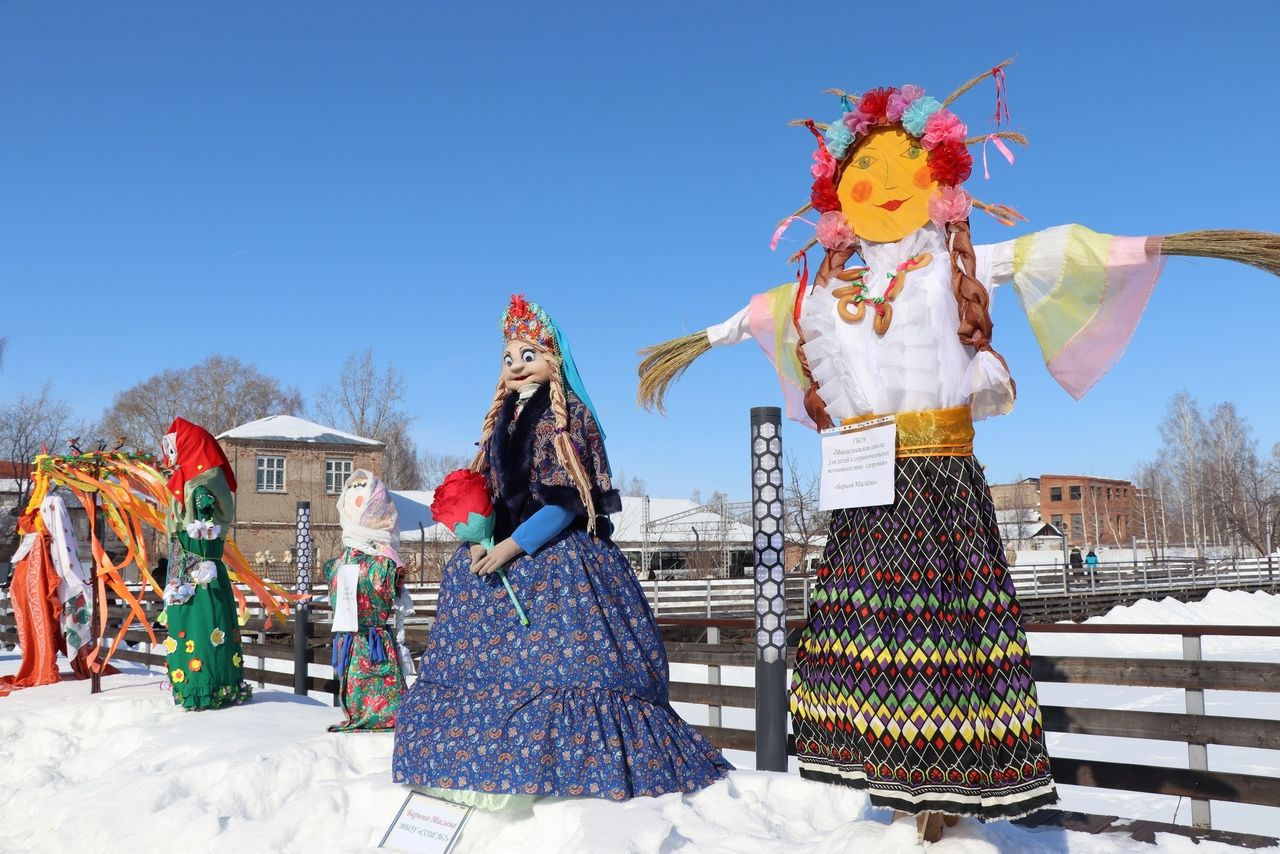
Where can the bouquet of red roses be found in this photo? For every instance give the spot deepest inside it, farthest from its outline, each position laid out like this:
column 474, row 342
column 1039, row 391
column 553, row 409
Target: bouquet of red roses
column 462, row 504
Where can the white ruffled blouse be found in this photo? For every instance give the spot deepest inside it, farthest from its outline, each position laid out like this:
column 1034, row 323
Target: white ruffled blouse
column 919, row 363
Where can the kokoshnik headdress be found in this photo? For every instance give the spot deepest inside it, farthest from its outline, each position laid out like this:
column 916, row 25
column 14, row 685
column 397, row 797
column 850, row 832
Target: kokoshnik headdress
column 528, row 321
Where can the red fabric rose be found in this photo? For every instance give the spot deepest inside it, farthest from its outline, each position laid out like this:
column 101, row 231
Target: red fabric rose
column 874, row 104
column 823, row 197
column 950, row 163
column 463, row 492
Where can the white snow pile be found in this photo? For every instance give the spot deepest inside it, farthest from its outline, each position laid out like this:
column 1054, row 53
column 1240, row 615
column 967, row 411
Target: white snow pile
column 126, row 771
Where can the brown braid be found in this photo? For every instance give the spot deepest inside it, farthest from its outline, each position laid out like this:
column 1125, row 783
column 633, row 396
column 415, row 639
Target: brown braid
column 478, row 463
column 972, row 300
column 565, row 452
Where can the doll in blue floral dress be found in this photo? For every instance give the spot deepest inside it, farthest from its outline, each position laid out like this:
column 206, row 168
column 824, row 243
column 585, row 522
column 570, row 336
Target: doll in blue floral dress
column 575, row 703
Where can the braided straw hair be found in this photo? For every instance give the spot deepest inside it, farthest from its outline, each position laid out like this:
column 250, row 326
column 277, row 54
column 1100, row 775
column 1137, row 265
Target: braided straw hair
column 566, row 454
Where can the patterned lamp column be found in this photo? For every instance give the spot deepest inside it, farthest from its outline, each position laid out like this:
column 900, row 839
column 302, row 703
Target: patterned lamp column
column 301, row 629
column 771, row 601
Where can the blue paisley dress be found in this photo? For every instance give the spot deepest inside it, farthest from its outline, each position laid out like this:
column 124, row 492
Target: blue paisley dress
column 576, row 703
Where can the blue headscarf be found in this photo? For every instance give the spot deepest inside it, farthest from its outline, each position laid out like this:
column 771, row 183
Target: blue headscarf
column 571, row 375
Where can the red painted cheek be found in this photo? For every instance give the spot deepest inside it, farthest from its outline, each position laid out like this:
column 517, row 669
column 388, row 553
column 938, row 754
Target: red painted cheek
column 922, row 178
column 860, row 191
column 359, row 501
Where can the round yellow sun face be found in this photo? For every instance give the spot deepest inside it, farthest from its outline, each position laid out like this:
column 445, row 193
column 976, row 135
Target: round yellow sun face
column 885, row 189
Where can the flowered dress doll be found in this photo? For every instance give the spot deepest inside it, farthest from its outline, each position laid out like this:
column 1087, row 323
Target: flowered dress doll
column 574, row 704
column 366, row 657
column 205, row 659
column 912, row 676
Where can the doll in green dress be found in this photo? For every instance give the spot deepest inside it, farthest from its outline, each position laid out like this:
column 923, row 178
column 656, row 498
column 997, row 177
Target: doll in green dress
column 205, row 659
column 365, row 584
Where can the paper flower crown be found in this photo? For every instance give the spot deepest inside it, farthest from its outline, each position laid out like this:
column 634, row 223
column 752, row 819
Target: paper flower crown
column 527, row 320
column 940, row 133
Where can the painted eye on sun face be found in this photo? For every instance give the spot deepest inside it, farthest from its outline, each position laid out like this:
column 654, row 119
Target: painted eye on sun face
column 864, row 162
column 912, row 152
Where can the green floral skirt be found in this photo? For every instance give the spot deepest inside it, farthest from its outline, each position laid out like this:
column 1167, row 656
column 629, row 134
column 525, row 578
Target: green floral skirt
column 205, row 659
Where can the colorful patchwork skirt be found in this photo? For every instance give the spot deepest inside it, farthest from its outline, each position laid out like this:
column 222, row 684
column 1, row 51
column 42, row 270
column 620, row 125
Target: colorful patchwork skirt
column 574, row 704
column 912, row 677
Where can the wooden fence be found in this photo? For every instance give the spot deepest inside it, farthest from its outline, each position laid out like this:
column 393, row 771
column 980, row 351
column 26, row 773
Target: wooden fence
column 1193, row 727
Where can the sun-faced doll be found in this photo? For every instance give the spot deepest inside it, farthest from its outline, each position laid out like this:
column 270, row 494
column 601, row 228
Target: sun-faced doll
column 912, row 677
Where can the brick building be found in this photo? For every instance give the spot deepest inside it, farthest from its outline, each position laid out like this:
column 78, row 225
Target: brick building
column 1091, row 511
column 281, row 460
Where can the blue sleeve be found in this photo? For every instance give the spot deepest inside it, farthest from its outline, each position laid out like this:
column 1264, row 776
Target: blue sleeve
column 541, row 527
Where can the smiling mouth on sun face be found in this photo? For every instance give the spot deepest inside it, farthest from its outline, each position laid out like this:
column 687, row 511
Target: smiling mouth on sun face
column 893, row 204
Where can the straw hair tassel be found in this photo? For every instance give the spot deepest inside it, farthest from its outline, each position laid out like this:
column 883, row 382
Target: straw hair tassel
column 974, row 81
column 1259, row 249
column 663, row 364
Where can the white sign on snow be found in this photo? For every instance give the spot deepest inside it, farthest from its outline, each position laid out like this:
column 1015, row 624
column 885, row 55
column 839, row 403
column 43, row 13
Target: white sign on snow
column 425, row 825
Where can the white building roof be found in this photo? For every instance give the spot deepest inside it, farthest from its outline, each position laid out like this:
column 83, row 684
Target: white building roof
column 290, row 428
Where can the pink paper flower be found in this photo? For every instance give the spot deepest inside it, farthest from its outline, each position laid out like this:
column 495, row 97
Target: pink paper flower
column 858, row 123
column 943, row 126
column 834, row 231
column 824, row 165
column 899, row 101
column 949, row 204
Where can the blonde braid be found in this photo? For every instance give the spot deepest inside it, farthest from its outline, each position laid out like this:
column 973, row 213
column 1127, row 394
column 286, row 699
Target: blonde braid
column 565, row 452
column 490, row 419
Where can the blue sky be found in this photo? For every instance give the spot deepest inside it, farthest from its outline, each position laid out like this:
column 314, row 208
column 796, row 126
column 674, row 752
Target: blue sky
column 288, row 182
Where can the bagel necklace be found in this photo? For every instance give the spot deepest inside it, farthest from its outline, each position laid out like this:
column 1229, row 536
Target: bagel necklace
column 854, row 297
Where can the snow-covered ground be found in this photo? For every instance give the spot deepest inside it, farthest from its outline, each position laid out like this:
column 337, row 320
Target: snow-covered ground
column 125, row 771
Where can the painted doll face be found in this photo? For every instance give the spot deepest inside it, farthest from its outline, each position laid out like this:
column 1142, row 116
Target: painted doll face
column 523, row 363
column 885, row 188
column 169, row 449
column 355, row 495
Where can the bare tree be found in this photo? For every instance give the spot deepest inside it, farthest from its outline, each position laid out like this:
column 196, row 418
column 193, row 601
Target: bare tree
column 807, row 526
column 28, row 425
column 219, row 393
column 368, row 401
column 435, row 466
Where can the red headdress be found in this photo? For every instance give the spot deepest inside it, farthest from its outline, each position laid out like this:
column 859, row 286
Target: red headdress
column 196, row 451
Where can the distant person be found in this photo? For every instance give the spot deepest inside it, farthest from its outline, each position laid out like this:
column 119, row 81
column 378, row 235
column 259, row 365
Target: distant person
column 1091, row 562
column 1076, row 562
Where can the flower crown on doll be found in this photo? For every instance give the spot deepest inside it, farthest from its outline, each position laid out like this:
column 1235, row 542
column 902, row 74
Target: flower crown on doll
column 526, row 320
column 940, row 133
column 529, row 322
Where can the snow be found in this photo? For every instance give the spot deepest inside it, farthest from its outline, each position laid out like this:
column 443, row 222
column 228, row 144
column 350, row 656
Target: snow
column 290, row 428
column 126, row 771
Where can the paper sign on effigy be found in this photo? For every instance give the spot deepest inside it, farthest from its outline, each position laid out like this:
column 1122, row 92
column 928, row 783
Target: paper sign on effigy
column 858, row 465
column 346, row 581
column 425, row 825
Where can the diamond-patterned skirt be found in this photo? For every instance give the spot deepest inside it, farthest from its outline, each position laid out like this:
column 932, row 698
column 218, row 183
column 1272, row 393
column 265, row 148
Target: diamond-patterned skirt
column 912, row 677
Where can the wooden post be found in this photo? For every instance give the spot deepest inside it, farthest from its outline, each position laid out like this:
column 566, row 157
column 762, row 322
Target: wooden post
column 713, row 677
column 95, row 678
column 1197, row 754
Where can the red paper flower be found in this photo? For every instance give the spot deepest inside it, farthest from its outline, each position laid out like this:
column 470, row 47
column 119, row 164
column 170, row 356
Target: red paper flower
column 950, row 163
column 463, row 492
column 874, row 104
column 823, row 197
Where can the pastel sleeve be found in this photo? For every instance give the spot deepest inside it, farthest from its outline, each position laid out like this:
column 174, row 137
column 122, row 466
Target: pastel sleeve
column 1084, row 293
column 540, row 528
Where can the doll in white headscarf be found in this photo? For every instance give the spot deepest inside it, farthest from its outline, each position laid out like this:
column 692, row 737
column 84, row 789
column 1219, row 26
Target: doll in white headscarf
column 364, row 584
